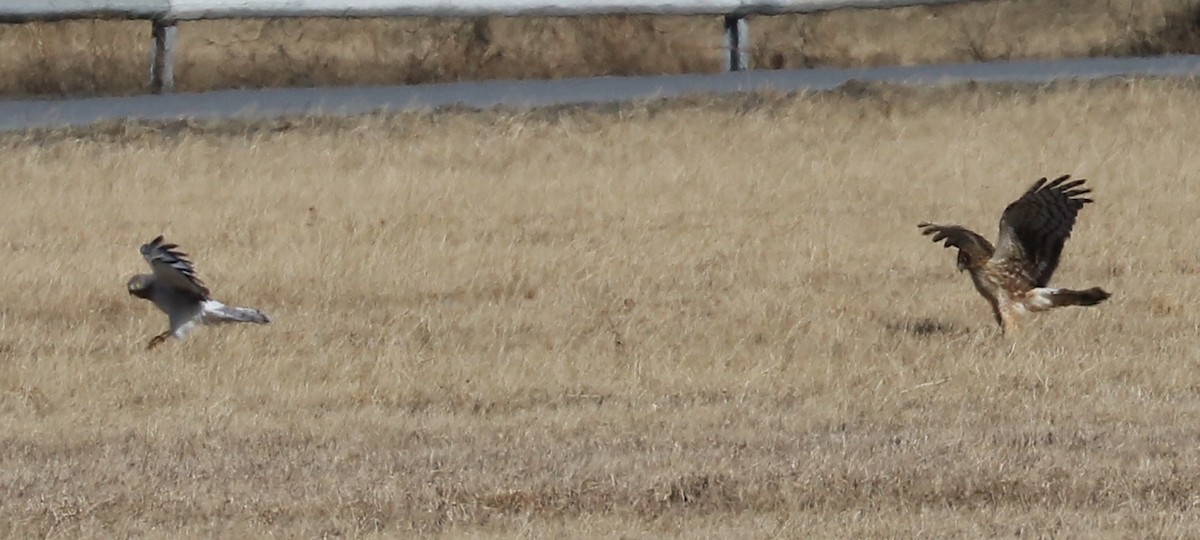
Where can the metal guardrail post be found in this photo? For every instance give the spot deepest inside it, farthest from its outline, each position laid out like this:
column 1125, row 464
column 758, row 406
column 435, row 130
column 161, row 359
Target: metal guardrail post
column 737, row 43
column 162, row 66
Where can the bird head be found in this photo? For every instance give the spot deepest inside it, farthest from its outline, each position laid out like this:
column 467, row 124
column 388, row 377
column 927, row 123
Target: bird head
column 964, row 260
column 139, row 285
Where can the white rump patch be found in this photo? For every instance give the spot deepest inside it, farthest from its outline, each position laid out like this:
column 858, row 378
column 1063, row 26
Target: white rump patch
column 184, row 329
column 1042, row 298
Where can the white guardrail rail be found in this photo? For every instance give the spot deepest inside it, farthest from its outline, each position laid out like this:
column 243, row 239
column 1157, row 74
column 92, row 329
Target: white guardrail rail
column 164, row 14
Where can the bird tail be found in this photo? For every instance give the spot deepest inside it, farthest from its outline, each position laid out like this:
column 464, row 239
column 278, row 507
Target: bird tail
column 216, row 312
column 1068, row 297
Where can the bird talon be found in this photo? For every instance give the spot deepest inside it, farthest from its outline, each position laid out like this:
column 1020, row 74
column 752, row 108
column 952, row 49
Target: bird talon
column 155, row 341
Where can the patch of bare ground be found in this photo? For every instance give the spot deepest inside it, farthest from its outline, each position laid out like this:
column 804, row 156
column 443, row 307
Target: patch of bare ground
column 112, row 57
column 709, row 317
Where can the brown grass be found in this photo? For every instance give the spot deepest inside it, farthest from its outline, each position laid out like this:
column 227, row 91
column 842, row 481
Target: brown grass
column 710, row 318
column 112, row 57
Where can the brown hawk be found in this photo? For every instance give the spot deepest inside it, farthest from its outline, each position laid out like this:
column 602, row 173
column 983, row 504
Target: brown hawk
column 1033, row 229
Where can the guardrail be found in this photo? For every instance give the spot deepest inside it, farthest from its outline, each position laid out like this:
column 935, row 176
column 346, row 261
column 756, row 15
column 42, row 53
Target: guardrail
column 165, row 14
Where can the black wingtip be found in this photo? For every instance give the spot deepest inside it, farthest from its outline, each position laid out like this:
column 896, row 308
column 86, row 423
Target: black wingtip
column 1058, row 181
column 1072, row 189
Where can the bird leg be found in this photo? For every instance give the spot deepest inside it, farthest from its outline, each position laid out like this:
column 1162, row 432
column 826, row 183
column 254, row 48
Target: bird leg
column 1010, row 320
column 158, row 340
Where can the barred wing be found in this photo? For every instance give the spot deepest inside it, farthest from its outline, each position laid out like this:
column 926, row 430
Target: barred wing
column 1035, row 227
column 967, row 241
column 172, row 269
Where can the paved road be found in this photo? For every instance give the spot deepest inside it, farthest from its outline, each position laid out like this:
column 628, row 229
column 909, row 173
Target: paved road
column 250, row 104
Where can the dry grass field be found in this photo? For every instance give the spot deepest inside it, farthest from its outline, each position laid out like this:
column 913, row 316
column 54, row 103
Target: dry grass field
column 689, row 319
column 112, row 57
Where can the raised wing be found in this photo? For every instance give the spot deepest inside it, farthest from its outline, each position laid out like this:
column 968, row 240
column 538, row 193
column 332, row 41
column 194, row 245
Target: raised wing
column 172, row 269
column 967, row 241
column 1035, row 227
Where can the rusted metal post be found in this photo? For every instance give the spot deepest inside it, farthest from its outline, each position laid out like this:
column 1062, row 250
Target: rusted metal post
column 162, row 66
column 737, row 43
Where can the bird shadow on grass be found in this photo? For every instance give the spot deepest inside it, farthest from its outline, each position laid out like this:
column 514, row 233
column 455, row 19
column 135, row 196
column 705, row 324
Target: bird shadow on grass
column 925, row 327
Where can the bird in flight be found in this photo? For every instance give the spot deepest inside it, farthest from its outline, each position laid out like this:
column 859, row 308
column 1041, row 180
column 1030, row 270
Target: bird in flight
column 1013, row 276
column 174, row 288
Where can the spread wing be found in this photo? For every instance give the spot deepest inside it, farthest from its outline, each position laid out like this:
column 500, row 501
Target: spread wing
column 1035, row 227
column 967, row 241
column 172, row 269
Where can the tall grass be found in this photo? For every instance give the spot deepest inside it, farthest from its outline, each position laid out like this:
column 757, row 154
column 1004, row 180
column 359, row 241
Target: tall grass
column 700, row 318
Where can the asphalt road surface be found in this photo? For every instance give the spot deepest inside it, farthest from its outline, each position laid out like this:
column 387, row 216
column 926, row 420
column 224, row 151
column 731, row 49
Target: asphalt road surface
column 270, row 103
